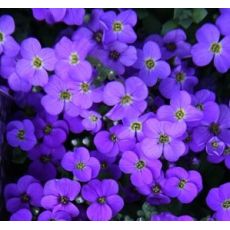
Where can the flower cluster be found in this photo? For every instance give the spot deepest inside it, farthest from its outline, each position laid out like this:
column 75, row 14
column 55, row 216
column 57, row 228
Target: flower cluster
column 106, row 120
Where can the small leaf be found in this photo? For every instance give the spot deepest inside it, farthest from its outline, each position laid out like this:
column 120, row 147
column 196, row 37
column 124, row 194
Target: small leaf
column 19, row 156
column 182, row 14
column 170, row 25
column 185, row 23
column 198, row 15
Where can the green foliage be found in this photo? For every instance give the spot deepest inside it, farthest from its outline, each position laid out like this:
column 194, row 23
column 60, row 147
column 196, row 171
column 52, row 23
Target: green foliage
column 18, row 156
column 184, row 18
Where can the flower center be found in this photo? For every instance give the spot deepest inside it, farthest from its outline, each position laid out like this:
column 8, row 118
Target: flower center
column 21, row 134
column 93, row 118
column 164, row 139
column 37, row 63
column 25, row 198
column 126, row 100
column 114, row 55
column 63, row 200
column 45, row 159
column 180, row 113
column 188, row 139
column 171, row 46
column 200, row 106
column 214, row 128
column 98, row 36
column 65, row 95
column 113, row 138
column 136, row 126
column 182, row 183
column 84, row 87
column 150, row 63
column 48, row 129
column 180, row 76
column 80, row 166
column 140, row 164
column 226, row 204
column 104, row 165
column 117, row 26
column 1, row 37
column 216, row 48
column 215, row 144
column 156, row 189
column 74, row 59
column 101, row 200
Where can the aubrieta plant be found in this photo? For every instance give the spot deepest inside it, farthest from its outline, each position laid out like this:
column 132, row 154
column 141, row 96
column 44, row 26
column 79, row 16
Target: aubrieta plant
column 114, row 117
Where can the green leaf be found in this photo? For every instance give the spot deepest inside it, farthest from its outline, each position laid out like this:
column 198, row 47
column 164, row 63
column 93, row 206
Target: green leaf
column 169, row 25
column 198, row 15
column 183, row 17
column 185, row 23
column 182, row 14
column 142, row 13
column 19, row 156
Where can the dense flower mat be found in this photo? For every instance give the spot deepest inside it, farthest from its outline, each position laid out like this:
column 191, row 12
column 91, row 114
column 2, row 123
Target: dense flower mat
column 121, row 114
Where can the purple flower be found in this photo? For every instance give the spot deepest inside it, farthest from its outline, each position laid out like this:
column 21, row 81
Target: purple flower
column 150, row 64
column 142, row 169
column 21, row 134
column 85, row 94
column 180, row 111
column 109, row 168
column 94, row 31
column 71, row 57
column 210, row 47
column 7, row 66
column 44, row 159
column 91, row 121
column 54, row 15
column 61, row 96
column 227, row 156
column 79, row 162
column 35, row 62
column 112, row 141
column 167, row 216
column 183, row 185
column 26, row 192
column 30, row 102
column 155, row 191
column 103, row 198
column 134, row 126
column 117, row 56
column 222, row 23
column 204, row 100
column 8, row 45
column 190, row 142
column 162, row 138
column 50, row 15
column 215, row 147
column 52, row 131
column 128, row 100
column 57, row 216
column 74, row 16
column 217, row 125
column 18, row 83
column 59, row 194
column 75, row 123
column 22, row 215
column 181, row 78
column 218, row 200
column 119, row 27
column 173, row 44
